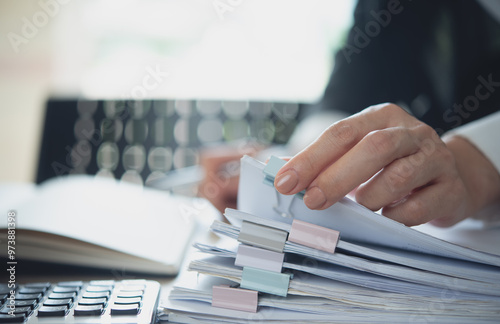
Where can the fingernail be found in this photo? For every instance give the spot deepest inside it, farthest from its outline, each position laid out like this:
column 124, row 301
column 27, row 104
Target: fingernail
column 286, row 181
column 314, row 198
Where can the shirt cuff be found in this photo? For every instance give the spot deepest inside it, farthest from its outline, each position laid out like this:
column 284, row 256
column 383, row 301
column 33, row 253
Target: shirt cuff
column 484, row 133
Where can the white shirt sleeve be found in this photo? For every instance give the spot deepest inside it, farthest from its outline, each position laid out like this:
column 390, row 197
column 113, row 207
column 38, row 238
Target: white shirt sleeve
column 484, row 133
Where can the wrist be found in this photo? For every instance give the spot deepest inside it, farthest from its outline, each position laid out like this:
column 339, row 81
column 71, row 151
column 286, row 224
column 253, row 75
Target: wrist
column 479, row 175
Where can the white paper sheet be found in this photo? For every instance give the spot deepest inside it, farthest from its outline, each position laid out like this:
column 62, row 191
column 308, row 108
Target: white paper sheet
column 355, row 222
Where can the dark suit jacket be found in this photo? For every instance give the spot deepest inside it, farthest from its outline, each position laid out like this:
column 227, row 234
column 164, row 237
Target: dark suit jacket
column 440, row 59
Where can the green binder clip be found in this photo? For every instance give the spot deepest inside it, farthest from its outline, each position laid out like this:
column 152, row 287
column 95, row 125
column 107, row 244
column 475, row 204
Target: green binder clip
column 265, row 281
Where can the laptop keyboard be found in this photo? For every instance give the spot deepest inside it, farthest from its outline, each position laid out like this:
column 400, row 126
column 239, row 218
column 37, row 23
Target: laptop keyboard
column 99, row 301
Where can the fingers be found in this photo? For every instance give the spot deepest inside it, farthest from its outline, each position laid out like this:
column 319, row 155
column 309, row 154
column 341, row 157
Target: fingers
column 336, row 141
column 369, row 156
column 441, row 202
column 400, row 178
column 391, row 161
column 220, row 184
column 382, row 155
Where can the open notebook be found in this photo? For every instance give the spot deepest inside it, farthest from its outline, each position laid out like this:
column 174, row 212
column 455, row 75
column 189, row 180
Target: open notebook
column 96, row 222
column 379, row 271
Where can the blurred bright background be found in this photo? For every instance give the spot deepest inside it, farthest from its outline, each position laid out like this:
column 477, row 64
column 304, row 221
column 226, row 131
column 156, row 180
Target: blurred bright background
column 194, row 49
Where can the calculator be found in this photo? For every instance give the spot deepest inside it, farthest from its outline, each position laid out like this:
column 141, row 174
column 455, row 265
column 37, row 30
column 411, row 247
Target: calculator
column 98, row 301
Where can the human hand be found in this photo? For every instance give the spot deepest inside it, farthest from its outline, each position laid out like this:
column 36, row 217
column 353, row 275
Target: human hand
column 389, row 160
column 221, row 166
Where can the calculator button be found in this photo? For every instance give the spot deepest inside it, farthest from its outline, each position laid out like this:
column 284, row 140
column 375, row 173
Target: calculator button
column 102, row 294
column 18, row 310
column 130, row 294
column 41, row 285
column 109, row 283
column 88, row 310
column 31, row 303
column 58, row 302
column 31, row 290
column 93, row 301
column 128, row 301
column 77, row 284
column 58, row 311
column 36, row 297
column 65, row 289
column 125, row 310
column 132, row 288
column 71, row 295
column 134, row 282
column 17, row 318
column 99, row 288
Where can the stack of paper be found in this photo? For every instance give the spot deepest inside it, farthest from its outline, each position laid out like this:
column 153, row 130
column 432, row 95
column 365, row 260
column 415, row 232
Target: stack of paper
column 287, row 263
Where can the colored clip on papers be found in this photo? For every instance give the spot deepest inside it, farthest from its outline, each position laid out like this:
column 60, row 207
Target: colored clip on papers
column 234, row 298
column 250, row 256
column 314, row 236
column 265, row 281
column 283, row 203
column 271, row 169
column 262, row 236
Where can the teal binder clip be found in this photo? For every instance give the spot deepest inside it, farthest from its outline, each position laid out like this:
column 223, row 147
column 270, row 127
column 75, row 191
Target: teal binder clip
column 265, row 281
column 271, row 169
column 283, row 203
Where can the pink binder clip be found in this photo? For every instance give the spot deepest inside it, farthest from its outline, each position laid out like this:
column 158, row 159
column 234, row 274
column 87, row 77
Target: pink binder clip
column 234, row 298
column 314, row 236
